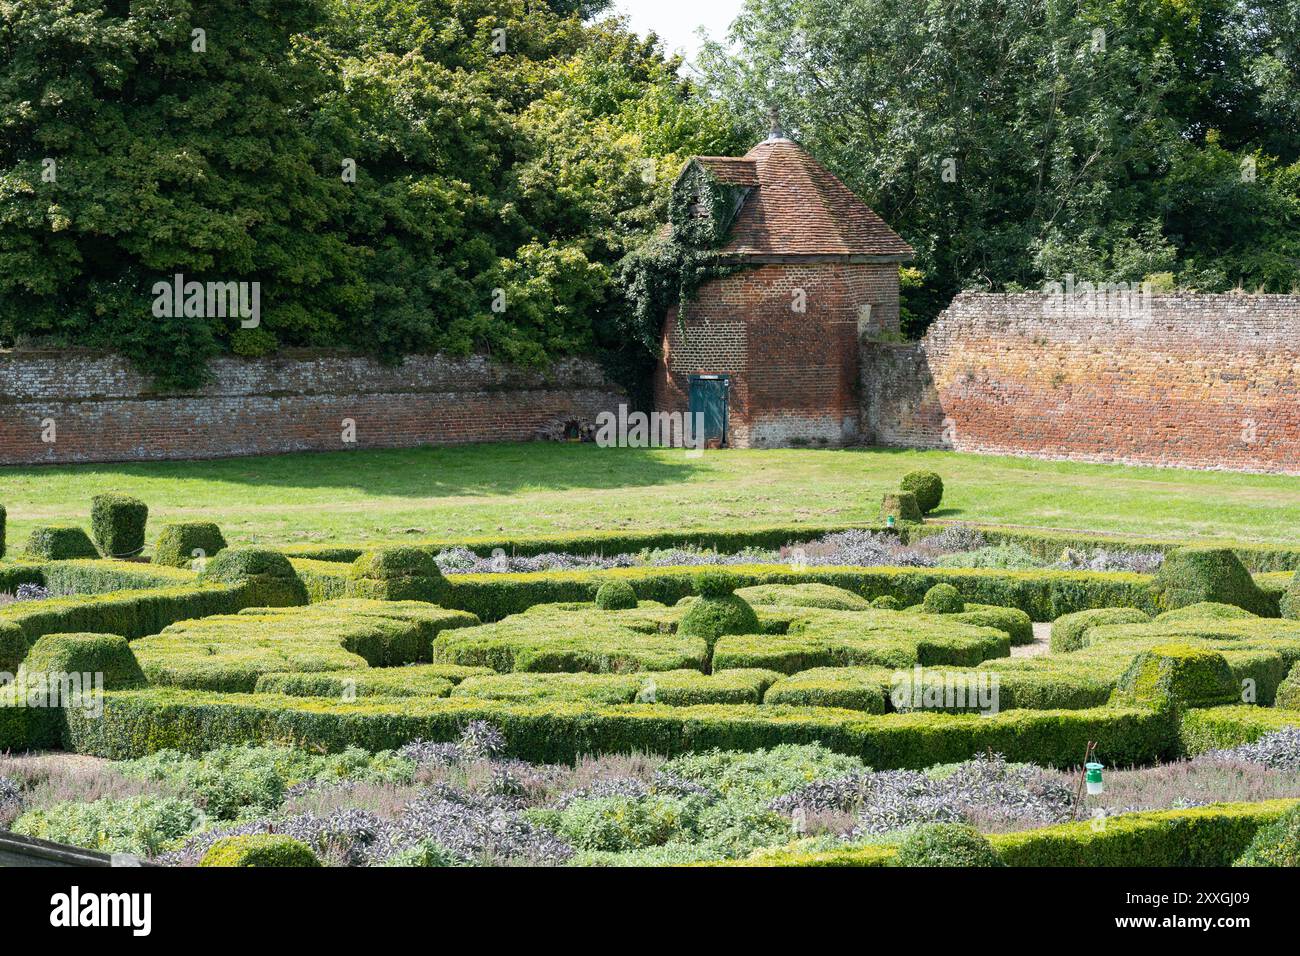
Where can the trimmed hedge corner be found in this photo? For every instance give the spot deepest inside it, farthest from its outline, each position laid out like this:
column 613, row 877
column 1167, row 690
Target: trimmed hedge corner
column 899, row 505
column 106, row 654
column 1193, row 575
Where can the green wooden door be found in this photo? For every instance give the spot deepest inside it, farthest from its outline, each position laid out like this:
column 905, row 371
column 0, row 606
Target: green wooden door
column 709, row 397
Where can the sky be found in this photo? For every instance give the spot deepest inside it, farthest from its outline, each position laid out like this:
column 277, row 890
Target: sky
column 677, row 20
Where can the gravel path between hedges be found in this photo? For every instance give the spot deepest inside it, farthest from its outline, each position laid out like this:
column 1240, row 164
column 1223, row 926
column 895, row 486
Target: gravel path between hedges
column 1037, row 649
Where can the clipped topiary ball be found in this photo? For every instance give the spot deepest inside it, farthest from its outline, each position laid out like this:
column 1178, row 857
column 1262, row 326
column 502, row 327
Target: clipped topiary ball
column 713, row 616
column 1288, row 692
column 106, row 654
column 1178, row 674
column 615, row 596
column 714, row 583
column 887, row 602
column 117, row 522
column 181, row 544
column 396, row 574
column 259, row 849
column 1275, row 844
column 926, row 486
column 269, row 574
column 1193, row 575
column 943, row 599
column 899, row 505
column 947, row 844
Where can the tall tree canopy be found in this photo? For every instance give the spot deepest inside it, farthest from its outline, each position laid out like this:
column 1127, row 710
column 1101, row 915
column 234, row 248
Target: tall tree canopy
column 506, row 154
column 1014, row 141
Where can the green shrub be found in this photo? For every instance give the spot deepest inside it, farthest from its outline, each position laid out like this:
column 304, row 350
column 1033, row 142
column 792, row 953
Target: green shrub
column 946, row 844
column 1069, row 631
column 620, row 824
column 105, row 654
column 575, row 637
column 1275, row 844
column 413, row 680
column 259, row 849
column 887, row 602
column 117, row 522
column 180, row 545
column 59, row 543
column 2, row 531
column 231, row 652
column 1289, row 603
column 426, row 853
column 943, row 599
column 899, row 505
column 13, row 647
column 1219, row 728
column 142, row 825
column 1193, row 575
column 396, row 574
column 1180, row 675
column 1014, row 622
column 615, row 596
column 714, row 583
column 268, row 576
column 1288, row 692
column 804, row 595
column 1205, row 611
column 711, row 617
column 926, row 486
column 851, row 688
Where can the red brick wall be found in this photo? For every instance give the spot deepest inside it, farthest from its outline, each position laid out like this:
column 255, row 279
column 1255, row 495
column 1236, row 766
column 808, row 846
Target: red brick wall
column 103, row 411
column 1201, row 381
column 794, row 375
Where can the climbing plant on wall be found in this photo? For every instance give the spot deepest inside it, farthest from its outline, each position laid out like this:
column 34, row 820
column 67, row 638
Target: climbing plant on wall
column 667, row 270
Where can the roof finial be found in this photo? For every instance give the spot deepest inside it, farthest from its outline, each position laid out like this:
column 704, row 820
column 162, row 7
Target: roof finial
column 774, row 124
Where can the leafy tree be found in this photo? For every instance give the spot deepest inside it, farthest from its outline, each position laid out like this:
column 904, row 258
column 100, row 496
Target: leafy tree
column 1013, row 141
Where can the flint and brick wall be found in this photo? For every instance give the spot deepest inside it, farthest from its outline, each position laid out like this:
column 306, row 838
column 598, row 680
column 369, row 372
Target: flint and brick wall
column 794, row 375
column 102, row 410
column 1201, row 381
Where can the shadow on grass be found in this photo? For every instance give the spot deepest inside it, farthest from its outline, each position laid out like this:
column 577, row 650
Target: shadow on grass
column 410, row 472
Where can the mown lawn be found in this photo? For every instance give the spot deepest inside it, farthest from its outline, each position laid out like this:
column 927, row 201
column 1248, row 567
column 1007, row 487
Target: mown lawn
column 533, row 488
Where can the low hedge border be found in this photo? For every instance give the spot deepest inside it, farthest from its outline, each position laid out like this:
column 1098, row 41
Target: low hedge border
column 1218, row 728
column 597, row 542
column 1047, row 545
column 1043, row 595
column 135, row 723
column 1203, row 836
column 1044, row 544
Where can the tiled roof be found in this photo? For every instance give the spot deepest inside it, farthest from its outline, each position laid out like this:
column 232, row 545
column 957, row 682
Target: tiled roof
column 732, row 170
column 800, row 208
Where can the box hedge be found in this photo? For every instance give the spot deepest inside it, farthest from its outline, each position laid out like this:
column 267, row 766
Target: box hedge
column 413, row 680
column 135, row 723
column 117, row 523
column 106, row 654
column 899, row 505
column 1178, row 675
column 58, row 543
column 181, row 544
column 396, row 574
column 268, row 576
column 1069, row 630
column 1221, row 728
column 1212, row 836
column 1043, row 595
column 1193, row 575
